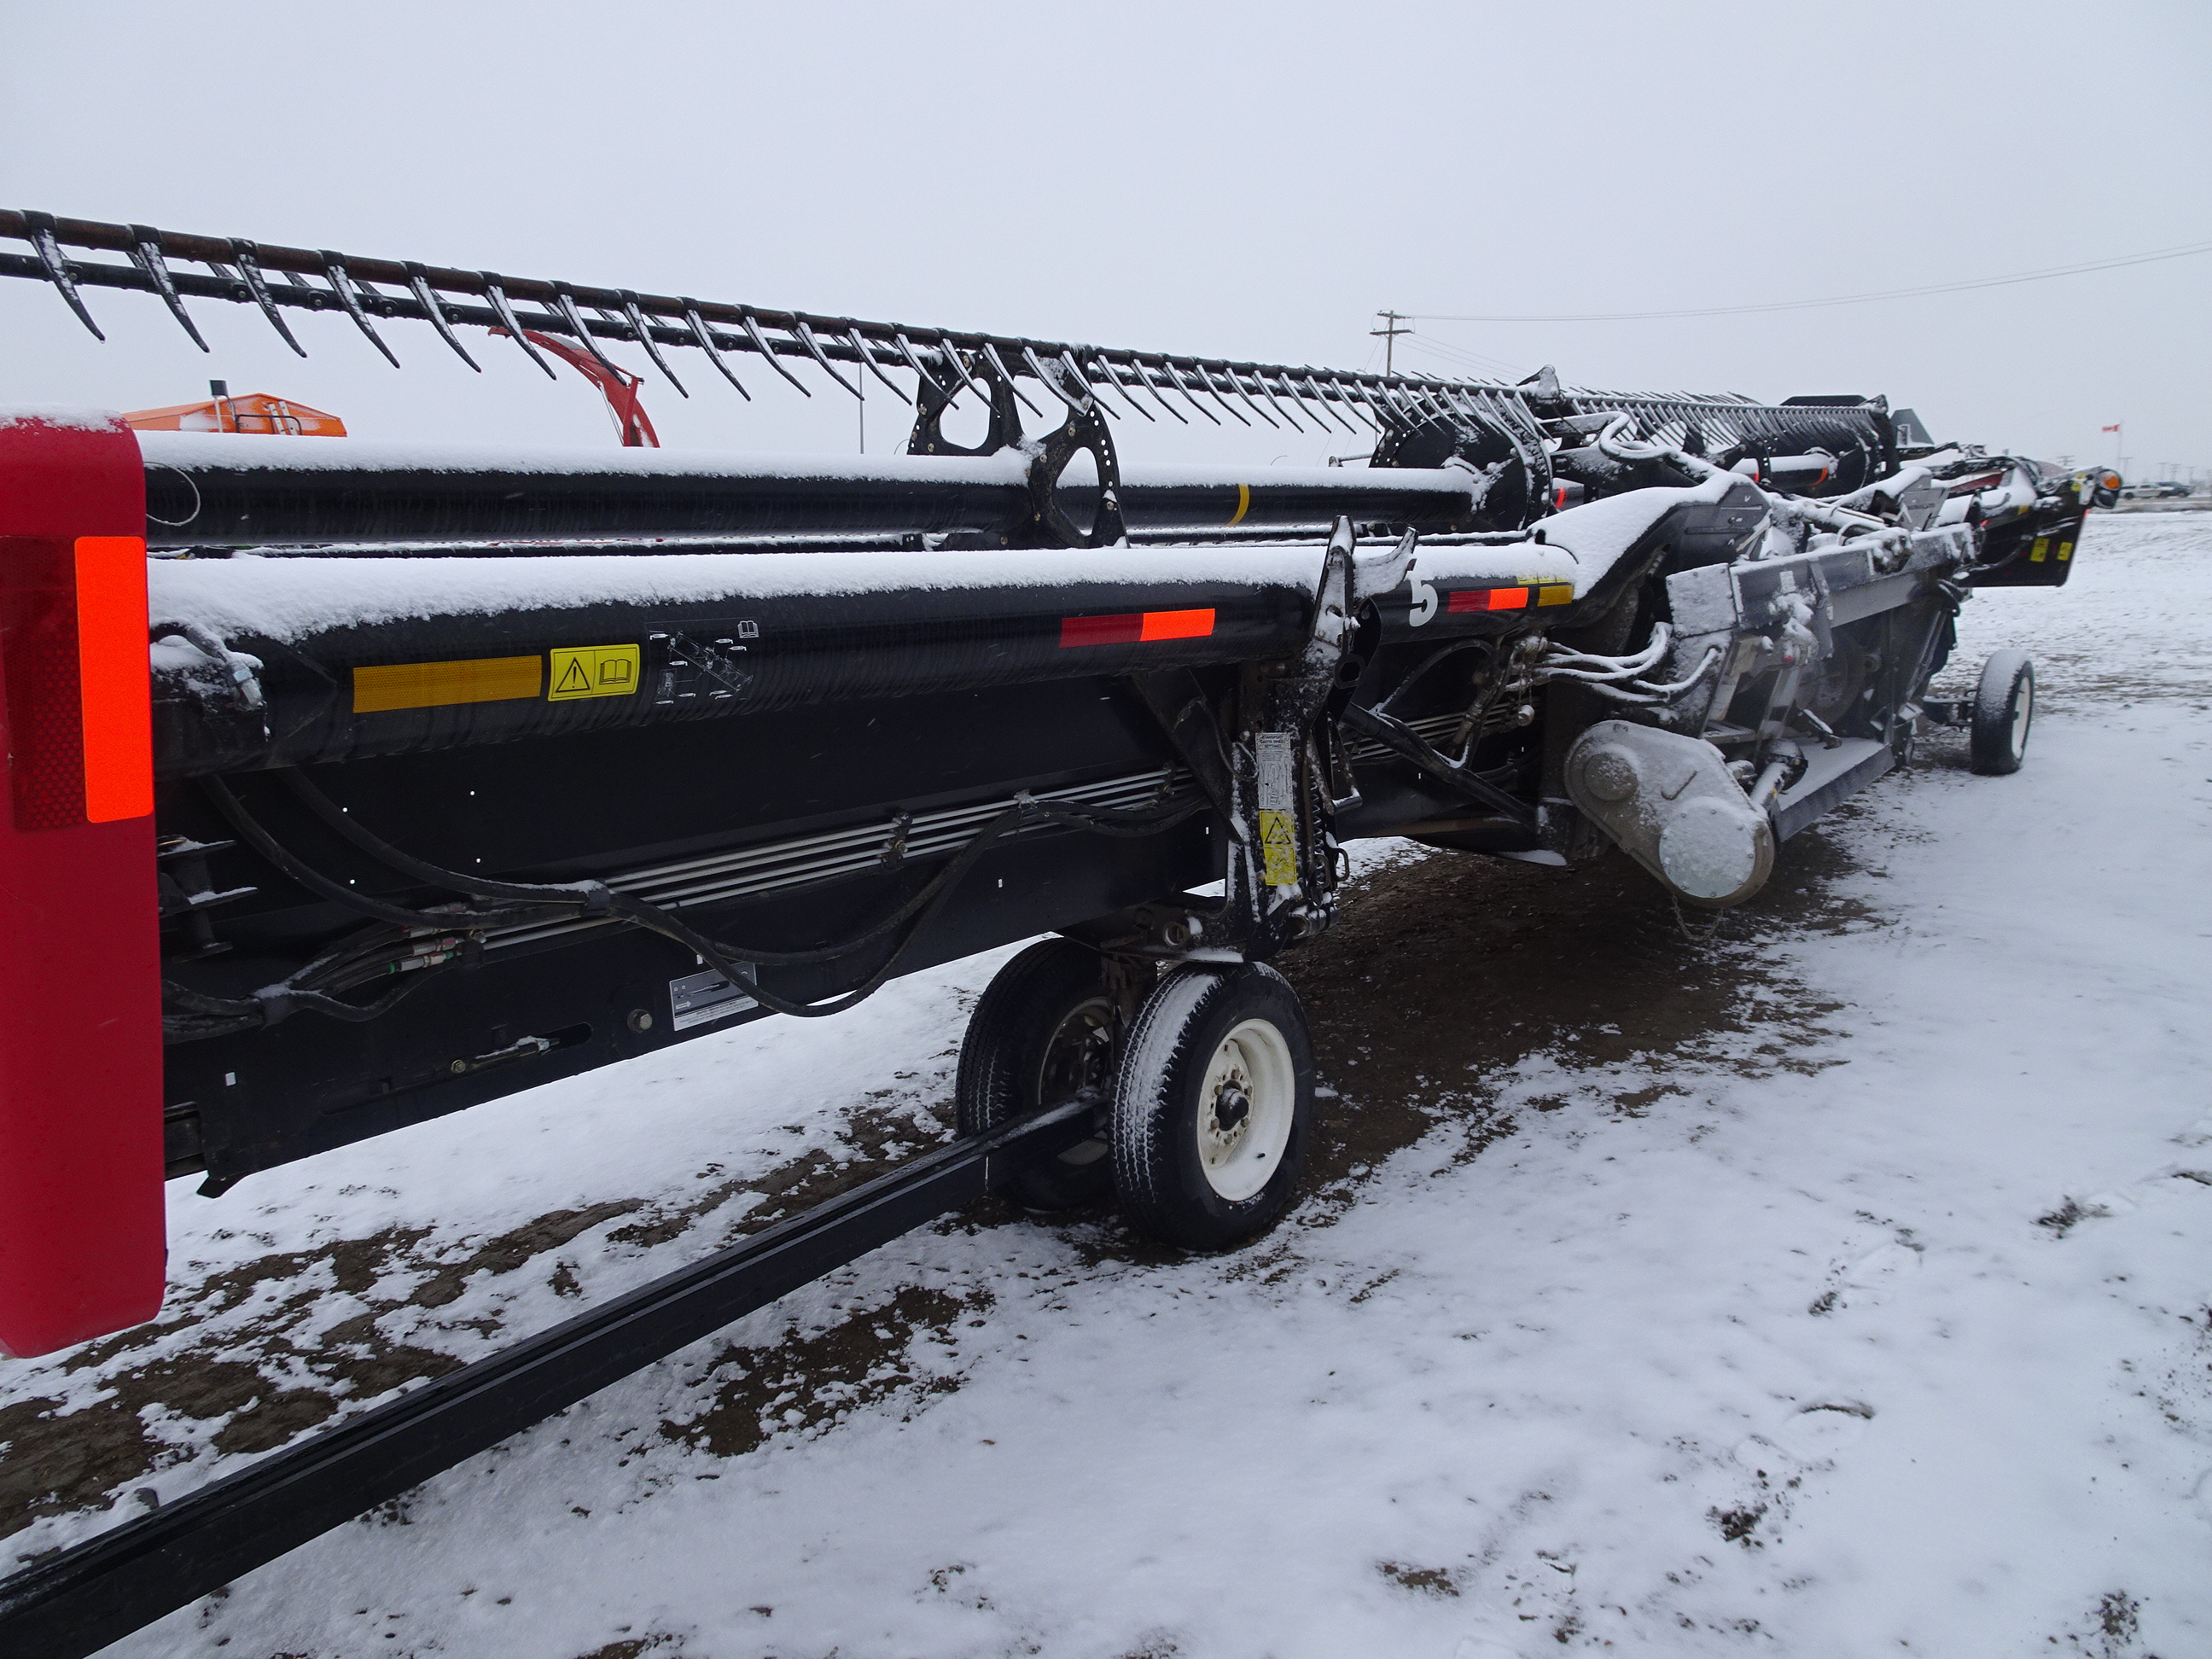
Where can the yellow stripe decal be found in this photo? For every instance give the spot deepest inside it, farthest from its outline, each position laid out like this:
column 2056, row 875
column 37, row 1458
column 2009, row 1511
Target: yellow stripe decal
column 1243, row 504
column 435, row 684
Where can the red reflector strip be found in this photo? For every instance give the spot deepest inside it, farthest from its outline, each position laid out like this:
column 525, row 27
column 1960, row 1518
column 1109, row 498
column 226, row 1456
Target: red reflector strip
column 112, row 677
column 1488, row 598
column 1102, row 630
column 1136, row 627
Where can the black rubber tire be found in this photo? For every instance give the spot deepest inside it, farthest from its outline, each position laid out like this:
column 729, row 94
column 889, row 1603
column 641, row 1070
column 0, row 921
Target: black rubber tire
column 2004, row 710
column 1156, row 1124
column 1003, row 1061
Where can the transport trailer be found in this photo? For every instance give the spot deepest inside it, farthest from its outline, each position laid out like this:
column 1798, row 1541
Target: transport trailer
column 354, row 784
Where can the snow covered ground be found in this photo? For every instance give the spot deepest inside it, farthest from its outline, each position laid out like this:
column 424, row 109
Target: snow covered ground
column 1837, row 1283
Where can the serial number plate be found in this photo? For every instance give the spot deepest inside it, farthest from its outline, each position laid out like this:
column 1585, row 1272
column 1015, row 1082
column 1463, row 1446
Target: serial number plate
column 702, row 998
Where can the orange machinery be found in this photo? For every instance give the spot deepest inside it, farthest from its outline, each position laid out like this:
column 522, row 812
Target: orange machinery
column 256, row 411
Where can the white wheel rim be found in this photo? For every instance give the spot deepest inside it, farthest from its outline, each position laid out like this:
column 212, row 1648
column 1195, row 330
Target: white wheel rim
column 2023, row 711
column 1253, row 1081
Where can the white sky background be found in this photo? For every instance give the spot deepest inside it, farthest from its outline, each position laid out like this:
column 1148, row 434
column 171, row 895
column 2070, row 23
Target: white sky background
column 1246, row 180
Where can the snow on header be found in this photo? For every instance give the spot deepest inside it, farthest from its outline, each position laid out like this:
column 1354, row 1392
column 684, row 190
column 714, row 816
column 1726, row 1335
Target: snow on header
column 257, row 453
column 253, row 452
column 288, row 600
column 1600, row 532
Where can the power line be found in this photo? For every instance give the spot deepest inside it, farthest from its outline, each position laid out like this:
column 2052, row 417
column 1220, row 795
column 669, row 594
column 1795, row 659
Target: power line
column 1838, row 299
column 1461, row 356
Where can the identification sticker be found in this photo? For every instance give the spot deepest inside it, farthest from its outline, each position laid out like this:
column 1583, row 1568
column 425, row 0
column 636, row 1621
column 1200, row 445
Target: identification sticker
column 592, row 671
column 702, row 998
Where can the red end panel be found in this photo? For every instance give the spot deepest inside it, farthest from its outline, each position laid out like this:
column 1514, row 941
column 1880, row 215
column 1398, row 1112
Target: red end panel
column 81, row 1221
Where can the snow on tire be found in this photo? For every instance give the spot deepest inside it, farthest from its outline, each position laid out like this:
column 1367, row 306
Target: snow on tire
column 1214, row 1106
column 2004, row 708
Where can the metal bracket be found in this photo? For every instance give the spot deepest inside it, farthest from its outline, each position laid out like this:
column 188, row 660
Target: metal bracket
column 931, row 403
column 1177, row 700
column 1085, row 429
column 1283, row 859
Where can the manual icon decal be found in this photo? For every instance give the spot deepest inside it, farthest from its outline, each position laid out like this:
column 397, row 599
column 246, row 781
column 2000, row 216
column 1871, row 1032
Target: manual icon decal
column 592, row 671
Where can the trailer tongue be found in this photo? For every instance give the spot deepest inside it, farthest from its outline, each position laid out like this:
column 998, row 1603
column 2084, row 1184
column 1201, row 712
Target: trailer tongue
column 449, row 771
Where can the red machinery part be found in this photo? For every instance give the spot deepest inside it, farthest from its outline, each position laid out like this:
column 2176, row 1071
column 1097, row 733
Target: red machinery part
column 617, row 385
column 81, row 1199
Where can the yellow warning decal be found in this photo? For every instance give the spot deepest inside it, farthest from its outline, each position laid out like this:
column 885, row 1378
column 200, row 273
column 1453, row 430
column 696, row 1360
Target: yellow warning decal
column 2042, row 546
column 592, row 671
column 1278, row 849
column 435, row 684
column 2065, row 551
column 1277, row 772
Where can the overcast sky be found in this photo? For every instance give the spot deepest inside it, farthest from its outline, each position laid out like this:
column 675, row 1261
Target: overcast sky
column 1243, row 180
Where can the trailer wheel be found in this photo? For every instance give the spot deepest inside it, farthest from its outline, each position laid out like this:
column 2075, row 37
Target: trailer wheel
column 2004, row 708
column 1041, row 1032
column 1214, row 1106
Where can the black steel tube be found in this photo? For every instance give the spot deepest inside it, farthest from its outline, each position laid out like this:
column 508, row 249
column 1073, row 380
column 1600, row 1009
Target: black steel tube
column 71, row 1604
column 373, row 509
column 399, row 498
column 692, row 659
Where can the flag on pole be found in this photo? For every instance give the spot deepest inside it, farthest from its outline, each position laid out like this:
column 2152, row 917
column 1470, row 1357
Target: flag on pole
column 2112, row 428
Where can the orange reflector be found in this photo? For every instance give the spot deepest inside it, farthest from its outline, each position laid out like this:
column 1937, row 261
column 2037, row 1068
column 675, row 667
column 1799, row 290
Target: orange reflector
column 1136, row 627
column 435, row 685
column 1489, row 598
column 1178, row 625
column 113, row 686
column 1563, row 593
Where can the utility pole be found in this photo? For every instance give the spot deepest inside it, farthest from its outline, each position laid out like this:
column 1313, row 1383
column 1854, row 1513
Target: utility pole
column 1389, row 334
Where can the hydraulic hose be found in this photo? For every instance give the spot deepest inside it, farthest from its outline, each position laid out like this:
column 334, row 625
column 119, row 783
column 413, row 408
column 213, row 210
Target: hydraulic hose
column 595, row 898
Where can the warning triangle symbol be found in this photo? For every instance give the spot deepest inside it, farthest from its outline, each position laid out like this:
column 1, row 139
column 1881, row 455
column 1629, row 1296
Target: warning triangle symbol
column 575, row 679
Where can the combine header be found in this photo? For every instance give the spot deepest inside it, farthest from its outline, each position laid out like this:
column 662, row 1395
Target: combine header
column 495, row 765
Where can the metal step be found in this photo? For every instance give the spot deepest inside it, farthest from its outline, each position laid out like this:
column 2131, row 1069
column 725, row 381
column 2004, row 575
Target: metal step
column 1831, row 776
